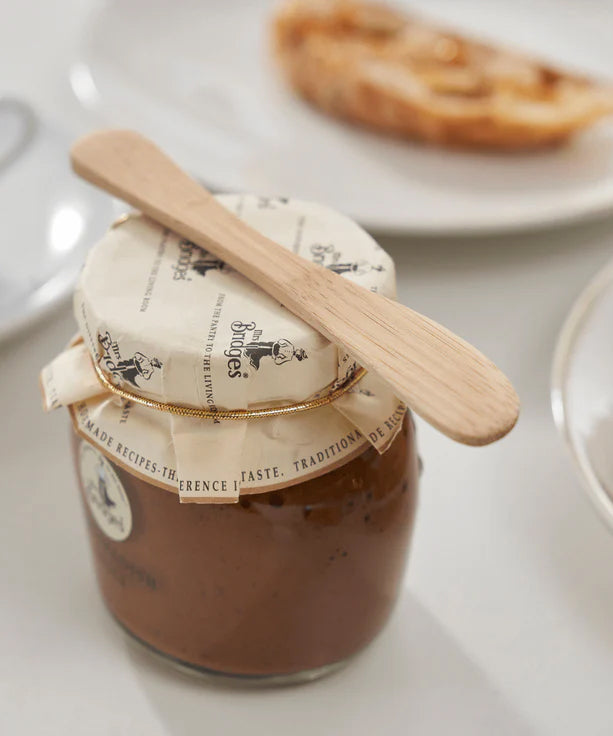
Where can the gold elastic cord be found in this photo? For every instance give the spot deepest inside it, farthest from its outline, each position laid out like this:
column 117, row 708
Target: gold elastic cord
column 273, row 411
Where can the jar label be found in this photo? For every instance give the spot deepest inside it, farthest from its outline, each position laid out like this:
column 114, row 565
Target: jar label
column 104, row 493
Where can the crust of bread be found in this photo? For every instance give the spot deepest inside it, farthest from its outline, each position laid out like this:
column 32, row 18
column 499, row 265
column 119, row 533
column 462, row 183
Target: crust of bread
column 376, row 67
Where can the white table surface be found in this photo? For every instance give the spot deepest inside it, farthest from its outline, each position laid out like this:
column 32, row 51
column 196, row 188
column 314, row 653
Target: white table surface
column 505, row 625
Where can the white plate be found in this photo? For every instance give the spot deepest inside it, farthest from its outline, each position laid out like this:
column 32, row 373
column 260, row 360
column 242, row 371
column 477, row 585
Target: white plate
column 49, row 218
column 200, row 80
column 582, row 389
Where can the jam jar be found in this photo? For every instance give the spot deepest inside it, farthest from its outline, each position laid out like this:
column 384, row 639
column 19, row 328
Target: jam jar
column 250, row 491
column 281, row 586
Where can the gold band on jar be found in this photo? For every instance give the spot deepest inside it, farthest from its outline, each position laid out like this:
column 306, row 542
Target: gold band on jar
column 272, row 411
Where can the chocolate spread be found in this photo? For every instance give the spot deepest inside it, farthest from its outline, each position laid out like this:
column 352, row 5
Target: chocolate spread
column 279, row 583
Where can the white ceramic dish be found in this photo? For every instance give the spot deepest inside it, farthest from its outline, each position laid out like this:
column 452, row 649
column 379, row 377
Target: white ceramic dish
column 582, row 389
column 201, row 82
column 49, row 218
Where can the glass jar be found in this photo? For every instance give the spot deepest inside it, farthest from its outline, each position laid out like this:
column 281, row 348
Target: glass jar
column 283, row 586
column 250, row 489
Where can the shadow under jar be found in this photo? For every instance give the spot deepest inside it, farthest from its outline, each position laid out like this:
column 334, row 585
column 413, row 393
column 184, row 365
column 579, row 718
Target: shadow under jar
column 282, row 587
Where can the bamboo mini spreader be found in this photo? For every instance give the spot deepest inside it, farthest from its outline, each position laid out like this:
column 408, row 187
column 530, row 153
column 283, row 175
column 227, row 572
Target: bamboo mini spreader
column 440, row 376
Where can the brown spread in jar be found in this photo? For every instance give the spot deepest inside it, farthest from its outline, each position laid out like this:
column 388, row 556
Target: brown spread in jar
column 281, row 582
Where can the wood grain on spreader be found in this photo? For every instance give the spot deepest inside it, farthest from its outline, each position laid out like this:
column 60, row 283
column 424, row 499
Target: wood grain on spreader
column 440, row 376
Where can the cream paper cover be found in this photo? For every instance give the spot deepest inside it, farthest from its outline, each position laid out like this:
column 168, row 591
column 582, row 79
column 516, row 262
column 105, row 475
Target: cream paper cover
column 168, row 321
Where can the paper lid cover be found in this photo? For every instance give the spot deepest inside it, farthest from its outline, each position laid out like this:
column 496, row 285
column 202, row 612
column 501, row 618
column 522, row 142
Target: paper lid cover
column 175, row 323
column 169, row 321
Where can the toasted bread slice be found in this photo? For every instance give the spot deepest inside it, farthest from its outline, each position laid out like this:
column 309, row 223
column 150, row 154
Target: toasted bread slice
column 371, row 65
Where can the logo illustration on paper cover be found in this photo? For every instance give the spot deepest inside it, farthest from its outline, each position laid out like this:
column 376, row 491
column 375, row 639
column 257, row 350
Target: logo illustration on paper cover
column 245, row 344
column 328, row 257
column 138, row 367
column 193, row 258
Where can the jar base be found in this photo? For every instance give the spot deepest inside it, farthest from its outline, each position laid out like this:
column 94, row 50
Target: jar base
column 229, row 679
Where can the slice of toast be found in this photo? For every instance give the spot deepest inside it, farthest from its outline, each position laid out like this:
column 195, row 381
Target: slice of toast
column 375, row 66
